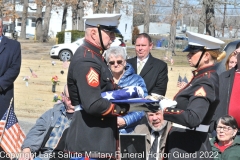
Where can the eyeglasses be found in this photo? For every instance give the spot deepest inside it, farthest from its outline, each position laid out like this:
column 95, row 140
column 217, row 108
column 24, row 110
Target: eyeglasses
column 113, row 62
column 68, row 98
column 224, row 128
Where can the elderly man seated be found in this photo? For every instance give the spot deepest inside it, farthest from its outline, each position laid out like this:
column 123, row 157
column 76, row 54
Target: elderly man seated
column 46, row 133
column 154, row 127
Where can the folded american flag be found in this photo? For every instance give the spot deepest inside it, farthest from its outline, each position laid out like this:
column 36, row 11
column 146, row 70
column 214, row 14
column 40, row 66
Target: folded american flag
column 131, row 94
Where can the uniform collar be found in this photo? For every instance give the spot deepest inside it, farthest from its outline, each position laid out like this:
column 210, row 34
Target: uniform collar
column 203, row 70
column 93, row 47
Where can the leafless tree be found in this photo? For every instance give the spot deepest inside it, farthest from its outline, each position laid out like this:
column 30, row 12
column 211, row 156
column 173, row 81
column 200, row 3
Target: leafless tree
column 24, row 19
column 39, row 19
column 74, row 15
column 64, row 17
column 146, row 16
column 210, row 18
column 174, row 18
column 1, row 8
column 202, row 19
column 80, row 15
column 47, row 17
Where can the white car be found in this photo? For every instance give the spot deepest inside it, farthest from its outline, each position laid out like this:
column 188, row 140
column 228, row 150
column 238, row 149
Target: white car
column 66, row 51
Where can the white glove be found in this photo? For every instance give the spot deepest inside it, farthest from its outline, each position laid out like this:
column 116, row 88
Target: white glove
column 164, row 103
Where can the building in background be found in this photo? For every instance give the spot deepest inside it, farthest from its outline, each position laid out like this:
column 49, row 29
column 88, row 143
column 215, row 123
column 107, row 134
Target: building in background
column 125, row 25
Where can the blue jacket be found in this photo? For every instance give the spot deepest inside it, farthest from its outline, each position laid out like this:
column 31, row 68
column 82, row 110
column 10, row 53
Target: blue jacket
column 129, row 78
column 36, row 135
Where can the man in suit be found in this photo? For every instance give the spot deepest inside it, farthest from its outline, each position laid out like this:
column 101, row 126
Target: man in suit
column 152, row 70
column 10, row 63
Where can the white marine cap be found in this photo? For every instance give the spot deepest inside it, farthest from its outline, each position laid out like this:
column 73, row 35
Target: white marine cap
column 106, row 21
column 198, row 42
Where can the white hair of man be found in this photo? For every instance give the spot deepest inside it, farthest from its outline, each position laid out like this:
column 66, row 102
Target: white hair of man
column 116, row 51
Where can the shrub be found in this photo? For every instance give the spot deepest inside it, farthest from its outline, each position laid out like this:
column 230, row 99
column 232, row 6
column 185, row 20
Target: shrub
column 76, row 34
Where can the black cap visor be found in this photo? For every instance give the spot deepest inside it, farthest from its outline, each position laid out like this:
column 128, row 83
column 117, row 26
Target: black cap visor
column 148, row 107
column 110, row 28
column 191, row 48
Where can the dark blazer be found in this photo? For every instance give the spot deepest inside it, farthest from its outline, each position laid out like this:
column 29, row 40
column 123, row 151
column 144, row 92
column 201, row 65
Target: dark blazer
column 154, row 73
column 10, row 63
column 225, row 89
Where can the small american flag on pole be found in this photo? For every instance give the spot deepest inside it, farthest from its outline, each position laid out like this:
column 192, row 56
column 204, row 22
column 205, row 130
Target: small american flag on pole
column 184, row 82
column 179, row 82
column 11, row 133
column 34, row 75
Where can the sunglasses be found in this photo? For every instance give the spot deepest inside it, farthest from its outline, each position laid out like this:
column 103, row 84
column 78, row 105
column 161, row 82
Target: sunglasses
column 113, row 62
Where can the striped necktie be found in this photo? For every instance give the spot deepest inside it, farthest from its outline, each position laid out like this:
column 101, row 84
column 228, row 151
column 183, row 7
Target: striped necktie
column 139, row 69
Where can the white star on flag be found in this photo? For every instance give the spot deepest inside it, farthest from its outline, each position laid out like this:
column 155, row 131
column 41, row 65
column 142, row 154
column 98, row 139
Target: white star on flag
column 130, row 89
column 108, row 96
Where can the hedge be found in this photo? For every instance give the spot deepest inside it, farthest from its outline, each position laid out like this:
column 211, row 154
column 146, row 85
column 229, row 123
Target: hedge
column 76, row 34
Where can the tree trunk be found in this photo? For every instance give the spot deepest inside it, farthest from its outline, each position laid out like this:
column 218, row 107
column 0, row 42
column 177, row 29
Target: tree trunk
column 224, row 16
column 47, row 17
column 210, row 18
column 64, row 17
column 80, row 15
column 117, row 5
column 202, row 19
column 74, row 16
column 100, row 6
column 39, row 20
column 14, row 15
column 146, row 17
column 1, row 8
column 174, row 16
column 24, row 20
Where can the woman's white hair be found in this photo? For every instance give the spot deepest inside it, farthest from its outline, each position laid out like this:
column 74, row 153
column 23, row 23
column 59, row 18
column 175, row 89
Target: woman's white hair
column 116, row 51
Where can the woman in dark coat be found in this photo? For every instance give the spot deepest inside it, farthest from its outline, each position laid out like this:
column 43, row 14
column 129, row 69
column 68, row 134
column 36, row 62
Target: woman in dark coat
column 229, row 85
column 196, row 102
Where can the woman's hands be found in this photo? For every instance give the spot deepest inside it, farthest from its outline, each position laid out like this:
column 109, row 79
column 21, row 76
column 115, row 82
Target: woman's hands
column 120, row 122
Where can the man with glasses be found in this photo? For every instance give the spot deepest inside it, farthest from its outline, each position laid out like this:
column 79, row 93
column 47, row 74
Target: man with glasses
column 93, row 132
column 42, row 139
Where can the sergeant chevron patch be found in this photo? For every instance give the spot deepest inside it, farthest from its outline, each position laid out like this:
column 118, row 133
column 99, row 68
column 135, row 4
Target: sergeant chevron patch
column 200, row 92
column 92, row 78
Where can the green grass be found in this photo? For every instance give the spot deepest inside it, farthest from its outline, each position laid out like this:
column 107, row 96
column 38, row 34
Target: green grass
column 180, row 59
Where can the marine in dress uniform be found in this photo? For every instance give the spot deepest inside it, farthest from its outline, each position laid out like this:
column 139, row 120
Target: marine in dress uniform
column 196, row 102
column 93, row 132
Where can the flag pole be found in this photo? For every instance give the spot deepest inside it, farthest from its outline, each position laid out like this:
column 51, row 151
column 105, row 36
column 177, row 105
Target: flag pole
column 6, row 120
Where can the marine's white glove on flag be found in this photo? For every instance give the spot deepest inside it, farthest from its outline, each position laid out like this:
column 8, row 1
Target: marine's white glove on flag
column 164, row 103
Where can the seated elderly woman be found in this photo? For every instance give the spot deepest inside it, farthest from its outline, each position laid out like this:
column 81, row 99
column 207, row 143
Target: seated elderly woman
column 124, row 76
column 226, row 145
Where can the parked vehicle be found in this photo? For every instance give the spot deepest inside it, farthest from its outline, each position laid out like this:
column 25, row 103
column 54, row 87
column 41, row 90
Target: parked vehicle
column 66, row 51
